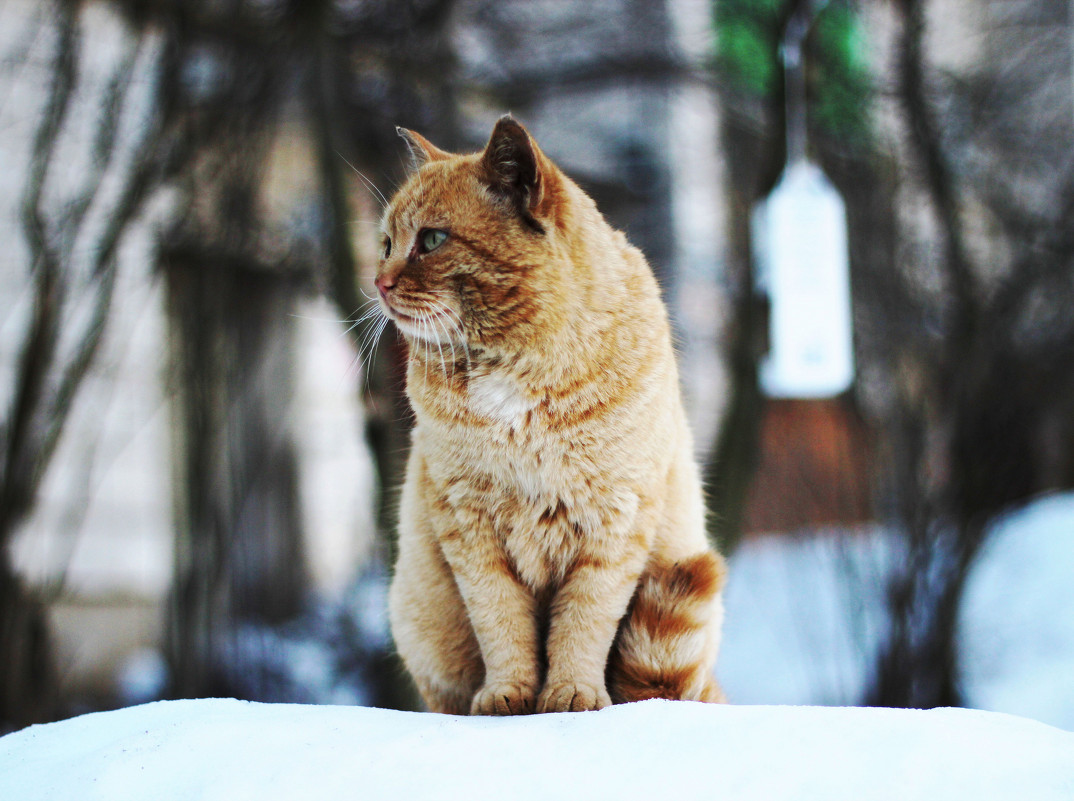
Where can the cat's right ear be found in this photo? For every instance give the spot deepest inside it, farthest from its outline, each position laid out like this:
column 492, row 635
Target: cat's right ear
column 512, row 166
column 422, row 151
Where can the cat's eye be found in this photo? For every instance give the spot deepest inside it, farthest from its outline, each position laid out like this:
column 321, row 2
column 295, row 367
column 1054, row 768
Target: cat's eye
column 430, row 239
column 387, row 246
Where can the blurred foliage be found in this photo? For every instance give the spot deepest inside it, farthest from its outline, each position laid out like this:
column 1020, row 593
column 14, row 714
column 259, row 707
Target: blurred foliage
column 747, row 43
column 842, row 85
column 748, row 36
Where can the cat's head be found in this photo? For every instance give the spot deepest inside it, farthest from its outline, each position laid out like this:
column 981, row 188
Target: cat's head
column 470, row 243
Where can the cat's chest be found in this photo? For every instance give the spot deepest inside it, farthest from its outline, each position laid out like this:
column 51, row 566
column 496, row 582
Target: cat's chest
column 500, row 398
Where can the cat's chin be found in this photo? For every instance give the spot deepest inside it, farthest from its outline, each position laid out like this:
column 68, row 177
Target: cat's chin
column 428, row 329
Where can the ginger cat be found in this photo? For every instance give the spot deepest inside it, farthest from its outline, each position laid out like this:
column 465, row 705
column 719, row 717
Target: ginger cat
column 552, row 551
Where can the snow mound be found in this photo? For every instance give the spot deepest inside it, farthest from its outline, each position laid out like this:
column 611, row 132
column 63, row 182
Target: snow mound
column 805, row 616
column 224, row 749
column 1016, row 630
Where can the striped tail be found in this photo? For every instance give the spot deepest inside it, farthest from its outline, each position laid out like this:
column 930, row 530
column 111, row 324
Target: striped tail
column 666, row 646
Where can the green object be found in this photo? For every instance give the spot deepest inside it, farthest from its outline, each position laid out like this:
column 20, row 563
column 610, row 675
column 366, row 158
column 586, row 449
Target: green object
column 748, row 35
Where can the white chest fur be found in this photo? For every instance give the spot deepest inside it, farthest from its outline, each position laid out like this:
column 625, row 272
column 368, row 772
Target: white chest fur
column 499, row 397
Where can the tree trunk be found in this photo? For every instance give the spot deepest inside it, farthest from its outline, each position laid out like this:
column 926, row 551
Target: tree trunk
column 238, row 524
column 733, row 460
column 27, row 681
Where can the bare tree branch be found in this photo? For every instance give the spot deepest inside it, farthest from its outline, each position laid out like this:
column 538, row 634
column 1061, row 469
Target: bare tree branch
column 38, row 350
column 140, row 180
column 938, row 175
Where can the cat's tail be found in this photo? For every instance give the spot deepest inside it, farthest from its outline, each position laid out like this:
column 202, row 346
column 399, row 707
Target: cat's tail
column 667, row 644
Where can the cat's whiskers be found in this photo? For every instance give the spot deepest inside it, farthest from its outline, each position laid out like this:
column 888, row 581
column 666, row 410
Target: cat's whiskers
column 439, row 346
column 366, row 344
column 431, row 336
column 371, row 310
column 452, row 325
column 366, row 338
column 436, row 324
column 370, row 340
column 441, row 334
column 356, row 364
column 377, row 339
column 456, row 319
column 451, row 344
column 425, row 343
column 377, row 193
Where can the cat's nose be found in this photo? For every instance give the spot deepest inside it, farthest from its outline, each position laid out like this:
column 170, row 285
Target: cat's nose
column 384, row 283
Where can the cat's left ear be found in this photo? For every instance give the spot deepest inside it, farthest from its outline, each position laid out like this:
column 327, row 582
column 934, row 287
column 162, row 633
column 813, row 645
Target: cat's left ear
column 421, row 149
column 513, row 168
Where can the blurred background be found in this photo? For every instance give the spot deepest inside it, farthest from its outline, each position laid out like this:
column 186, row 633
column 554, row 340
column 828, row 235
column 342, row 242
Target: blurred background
column 860, row 212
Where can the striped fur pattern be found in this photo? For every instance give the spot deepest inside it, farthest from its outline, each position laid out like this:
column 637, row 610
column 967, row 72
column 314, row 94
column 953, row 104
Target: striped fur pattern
column 552, row 551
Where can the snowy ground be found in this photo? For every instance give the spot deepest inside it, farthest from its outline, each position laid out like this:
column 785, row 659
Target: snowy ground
column 805, row 617
column 221, row 749
column 1017, row 622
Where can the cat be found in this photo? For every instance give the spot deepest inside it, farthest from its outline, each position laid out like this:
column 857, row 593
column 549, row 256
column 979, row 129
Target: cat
column 552, row 553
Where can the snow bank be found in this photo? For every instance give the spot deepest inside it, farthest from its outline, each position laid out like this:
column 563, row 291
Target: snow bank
column 1016, row 627
column 222, row 749
column 804, row 617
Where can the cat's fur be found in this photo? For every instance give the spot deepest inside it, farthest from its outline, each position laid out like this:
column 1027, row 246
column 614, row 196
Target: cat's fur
column 552, row 551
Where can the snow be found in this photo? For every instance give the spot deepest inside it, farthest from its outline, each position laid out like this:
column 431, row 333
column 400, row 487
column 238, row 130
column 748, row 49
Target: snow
column 225, row 749
column 1016, row 629
column 805, row 616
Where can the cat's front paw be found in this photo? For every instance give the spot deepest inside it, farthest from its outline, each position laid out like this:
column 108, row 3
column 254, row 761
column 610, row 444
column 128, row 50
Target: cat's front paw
column 573, row 697
column 504, row 698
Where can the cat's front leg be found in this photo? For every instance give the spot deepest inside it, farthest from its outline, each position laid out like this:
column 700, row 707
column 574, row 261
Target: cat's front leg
column 584, row 618
column 503, row 614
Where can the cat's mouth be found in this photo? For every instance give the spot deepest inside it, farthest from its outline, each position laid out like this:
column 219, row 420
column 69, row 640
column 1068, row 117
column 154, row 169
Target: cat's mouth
column 400, row 317
column 430, row 325
column 392, row 312
column 409, row 317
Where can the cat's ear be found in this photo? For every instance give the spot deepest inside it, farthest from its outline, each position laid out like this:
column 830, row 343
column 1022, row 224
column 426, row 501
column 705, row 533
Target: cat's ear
column 421, row 149
column 513, row 168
